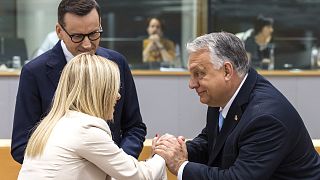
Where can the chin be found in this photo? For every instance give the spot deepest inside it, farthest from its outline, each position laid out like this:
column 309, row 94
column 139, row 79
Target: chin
column 90, row 52
column 203, row 100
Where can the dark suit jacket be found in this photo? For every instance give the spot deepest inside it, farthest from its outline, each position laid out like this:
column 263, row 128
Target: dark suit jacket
column 263, row 137
column 38, row 82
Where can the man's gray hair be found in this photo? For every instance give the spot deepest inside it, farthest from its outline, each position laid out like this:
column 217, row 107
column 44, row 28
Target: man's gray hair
column 223, row 47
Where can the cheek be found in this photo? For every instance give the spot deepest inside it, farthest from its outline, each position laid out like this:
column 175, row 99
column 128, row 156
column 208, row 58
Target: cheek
column 215, row 87
column 73, row 50
column 96, row 43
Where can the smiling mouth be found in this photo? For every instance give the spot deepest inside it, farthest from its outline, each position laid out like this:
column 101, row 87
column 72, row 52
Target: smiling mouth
column 200, row 93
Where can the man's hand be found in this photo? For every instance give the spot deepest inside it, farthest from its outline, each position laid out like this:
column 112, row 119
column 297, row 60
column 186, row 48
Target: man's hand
column 173, row 150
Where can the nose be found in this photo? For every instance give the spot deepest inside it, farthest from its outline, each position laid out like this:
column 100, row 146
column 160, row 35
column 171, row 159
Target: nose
column 86, row 43
column 193, row 83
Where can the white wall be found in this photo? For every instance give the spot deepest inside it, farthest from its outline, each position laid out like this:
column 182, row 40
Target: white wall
column 35, row 19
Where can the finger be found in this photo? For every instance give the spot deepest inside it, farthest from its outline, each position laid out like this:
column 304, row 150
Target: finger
column 182, row 138
column 165, row 142
column 155, row 139
column 161, row 146
column 183, row 148
column 167, row 136
column 172, row 141
column 162, row 152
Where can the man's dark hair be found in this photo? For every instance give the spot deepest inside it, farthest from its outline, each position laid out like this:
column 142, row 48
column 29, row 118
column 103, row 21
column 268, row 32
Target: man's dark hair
column 77, row 7
column 260, row 22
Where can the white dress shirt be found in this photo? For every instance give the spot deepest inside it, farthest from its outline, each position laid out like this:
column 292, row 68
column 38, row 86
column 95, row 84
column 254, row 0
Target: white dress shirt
column 66, row 52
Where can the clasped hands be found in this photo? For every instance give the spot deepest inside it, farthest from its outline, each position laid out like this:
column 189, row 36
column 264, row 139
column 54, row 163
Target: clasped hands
column 172, row 149
column 155, row 39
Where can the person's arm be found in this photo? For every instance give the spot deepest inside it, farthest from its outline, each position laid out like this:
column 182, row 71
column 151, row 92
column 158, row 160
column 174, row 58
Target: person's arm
column 27, row 113
column 133, row 129
column 167, row 50
column 97, row 146
column 148, row 45
column 198, row 148
column 262, row 147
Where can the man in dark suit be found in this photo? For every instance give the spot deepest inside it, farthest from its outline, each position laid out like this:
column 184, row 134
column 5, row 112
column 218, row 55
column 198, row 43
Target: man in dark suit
column 252, row 130
column 79, row 30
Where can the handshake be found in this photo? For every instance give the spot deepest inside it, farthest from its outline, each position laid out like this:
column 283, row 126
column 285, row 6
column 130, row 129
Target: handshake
column 172, row 149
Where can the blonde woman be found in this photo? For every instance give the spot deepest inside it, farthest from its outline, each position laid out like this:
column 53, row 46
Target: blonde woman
column 74, row 141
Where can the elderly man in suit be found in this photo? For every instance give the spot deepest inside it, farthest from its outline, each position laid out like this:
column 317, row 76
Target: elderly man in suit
column 79, row 30
column 252, row 130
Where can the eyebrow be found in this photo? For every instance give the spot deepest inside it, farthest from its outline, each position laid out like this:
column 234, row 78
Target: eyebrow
column 98, row 28
column 197, row 67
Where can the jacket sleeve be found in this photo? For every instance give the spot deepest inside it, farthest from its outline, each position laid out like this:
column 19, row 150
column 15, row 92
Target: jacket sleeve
column 262, row 146
column 198, row 148
column 27, row 113
column 133, row 129
column 96, row 145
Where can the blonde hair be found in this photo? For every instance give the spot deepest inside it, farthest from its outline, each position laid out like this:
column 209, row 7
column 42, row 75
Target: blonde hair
column 88, row 84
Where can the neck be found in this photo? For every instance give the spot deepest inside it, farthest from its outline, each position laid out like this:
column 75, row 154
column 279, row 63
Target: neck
column 262, row 39
column 233, row 88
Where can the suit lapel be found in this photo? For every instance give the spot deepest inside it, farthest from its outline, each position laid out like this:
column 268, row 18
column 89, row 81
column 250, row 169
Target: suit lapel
column 212, row 116
column 232, row 119
column 234, row 115
column 55, row 64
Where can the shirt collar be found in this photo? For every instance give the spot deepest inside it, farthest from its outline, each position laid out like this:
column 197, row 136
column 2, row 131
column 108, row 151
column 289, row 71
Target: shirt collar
column 227, row 107
column 66, row 52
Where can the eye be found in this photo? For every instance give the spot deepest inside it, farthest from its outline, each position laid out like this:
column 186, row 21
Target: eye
column 77, row 36
column 201, row 74
column 94, row 34
column 198, row 74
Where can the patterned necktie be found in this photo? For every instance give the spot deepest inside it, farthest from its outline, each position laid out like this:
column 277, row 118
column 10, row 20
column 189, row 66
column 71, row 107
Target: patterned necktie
column 220, row 120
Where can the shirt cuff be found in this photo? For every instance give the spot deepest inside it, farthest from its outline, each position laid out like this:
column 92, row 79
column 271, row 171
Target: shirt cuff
column 180, row 171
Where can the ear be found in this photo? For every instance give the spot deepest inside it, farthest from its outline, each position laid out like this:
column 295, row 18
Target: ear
column 228, row 70
column 59, row 31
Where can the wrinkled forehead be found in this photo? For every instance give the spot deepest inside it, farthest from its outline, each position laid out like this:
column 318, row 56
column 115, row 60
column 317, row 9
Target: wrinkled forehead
column 199, row 58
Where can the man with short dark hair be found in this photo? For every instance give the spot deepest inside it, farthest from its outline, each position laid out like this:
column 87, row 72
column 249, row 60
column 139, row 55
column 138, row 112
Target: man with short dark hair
column 79, row 30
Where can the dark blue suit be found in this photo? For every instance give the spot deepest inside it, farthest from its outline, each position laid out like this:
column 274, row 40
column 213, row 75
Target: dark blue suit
column 263, row 137
column 38, row 82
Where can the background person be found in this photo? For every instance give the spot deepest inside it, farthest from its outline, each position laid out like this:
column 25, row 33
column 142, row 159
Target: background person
column 252, row 130
column 156, row 48
column 258, row 45
column 73, row 141
column 79, row 30
column 49, row 42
